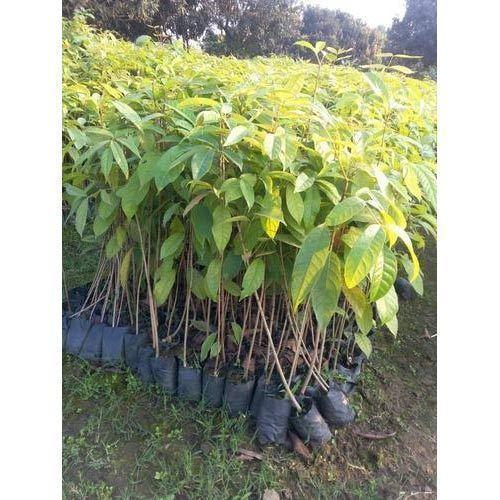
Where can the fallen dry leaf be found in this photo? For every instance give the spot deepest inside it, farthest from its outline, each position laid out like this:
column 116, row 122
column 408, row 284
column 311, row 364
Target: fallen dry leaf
column 250, row 453
column 299, row 447
column 370, row 435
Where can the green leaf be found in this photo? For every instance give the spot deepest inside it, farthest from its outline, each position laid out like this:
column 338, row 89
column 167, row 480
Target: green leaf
column 212, row 278
column 106, row 162
column 81, row 216
column 232, row 288
column 128, row 113
column 132, row 195
column 253, row 278
column 77, row 136
column 119, row 157
column 207, row 345
column 402, row 69
column 383, row 274
column 171, row 245
column 363, row 254
column 169, row 212
column 312, row 204
column 364, row 343
column 163, row 286
column 417, row 283
column 231, row 265
column 113, row 246
column 273, row 144
column 125, row 268
column 392, row 325
column 236, row 135
column 309, row 262
column 248, row 193
column 101, row 224
column 305, row 44
column 344, row 211
column 231, row 189
column 294, row 203
column 237, row 332
column 361, row 307
column 401, row 233
column 169, row 165
column 427, row 183
column 376, row 83
column 197, row 283
column 304, row 182
column 326, row 291
column 387, row 306
column 201, row 162
column 221, row 230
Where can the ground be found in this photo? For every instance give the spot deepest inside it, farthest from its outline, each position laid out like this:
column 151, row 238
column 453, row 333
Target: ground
column 122, row 441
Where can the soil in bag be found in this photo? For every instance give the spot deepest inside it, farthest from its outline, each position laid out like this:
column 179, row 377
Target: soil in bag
column 112, row 345
column 213, row 389
column 189, row 383
column 144, row 370
column 165, row 373
column 272, row 420
column 334, row 407
column 237, row 396
column 77, row 331
column 309, row 424
column 92, row 346
column 132, row 343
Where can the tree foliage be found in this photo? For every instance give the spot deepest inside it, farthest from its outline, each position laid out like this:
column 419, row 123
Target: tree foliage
column 340, row 29
column 416, row 33
column 252, row 27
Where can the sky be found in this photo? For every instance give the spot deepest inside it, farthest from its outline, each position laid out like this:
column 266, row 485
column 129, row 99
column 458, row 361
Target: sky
column 373, row 12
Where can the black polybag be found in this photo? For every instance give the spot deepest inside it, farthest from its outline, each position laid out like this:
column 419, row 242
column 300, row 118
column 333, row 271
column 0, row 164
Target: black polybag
column 258, row 396
column 351, row 374
column 65, row 326
column 272, row 420
column 113, row 344
column 189, row 383
column 132, row 344
column 165, row 373
column 309, row 425
column 213, row 390
column 144, row 364
column 77, row 331
column 237, row 397
column 404, row 289
column 334, row 407
column 92, row 345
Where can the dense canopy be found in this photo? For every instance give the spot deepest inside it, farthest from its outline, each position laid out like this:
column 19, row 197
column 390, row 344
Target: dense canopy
column 239, row 196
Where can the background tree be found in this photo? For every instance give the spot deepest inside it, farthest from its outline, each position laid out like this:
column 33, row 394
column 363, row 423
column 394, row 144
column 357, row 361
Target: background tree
column 247, row 28
column 339, row 29
column 129, row 18
column 187, row 19
column 416, row 33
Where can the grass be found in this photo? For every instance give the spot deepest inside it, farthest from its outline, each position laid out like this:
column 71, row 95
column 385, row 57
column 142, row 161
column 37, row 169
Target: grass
column 121, row 440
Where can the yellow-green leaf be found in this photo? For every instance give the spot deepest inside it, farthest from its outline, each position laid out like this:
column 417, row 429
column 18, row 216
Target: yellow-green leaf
column 326, row 291
column 363, row 254
column 308, row 264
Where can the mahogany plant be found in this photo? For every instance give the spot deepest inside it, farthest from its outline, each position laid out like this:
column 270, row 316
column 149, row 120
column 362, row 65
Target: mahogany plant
column 256, row 210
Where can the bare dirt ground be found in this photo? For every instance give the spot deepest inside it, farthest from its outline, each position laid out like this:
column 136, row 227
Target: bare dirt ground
column 122, row 441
